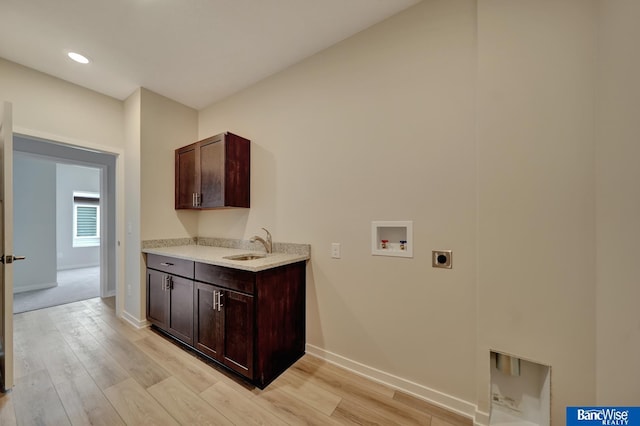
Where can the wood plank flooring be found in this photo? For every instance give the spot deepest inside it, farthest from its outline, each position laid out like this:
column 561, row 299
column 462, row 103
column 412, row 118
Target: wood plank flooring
column 78, row 364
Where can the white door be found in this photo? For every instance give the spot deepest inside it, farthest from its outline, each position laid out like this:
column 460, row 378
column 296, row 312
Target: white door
column 6, row 239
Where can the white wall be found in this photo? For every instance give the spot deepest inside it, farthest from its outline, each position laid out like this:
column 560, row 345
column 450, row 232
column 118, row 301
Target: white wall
column 618, row 205
column 70, row 179
column 165, row 126
column 378, row 127
column 50, row 108
column 536, row 190
column 34, row 228
column 155, row 127
column 43, row 104
column 349, row 135
column 133, row 275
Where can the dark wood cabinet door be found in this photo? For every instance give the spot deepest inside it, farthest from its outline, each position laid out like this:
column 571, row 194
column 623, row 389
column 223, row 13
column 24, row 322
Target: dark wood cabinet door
column 208, row 327
column 180, row 316
column 186, row 177
column 157, row 302
column 238, row 332
column 212, row 172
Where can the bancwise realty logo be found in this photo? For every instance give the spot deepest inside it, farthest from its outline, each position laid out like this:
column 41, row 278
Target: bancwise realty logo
column 605, row 416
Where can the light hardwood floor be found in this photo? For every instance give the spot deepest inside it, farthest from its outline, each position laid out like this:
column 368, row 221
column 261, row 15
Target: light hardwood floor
column 78, row 364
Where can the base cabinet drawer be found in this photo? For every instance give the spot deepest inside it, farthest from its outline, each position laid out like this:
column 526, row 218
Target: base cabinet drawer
column 170, row 265
column 233, row 279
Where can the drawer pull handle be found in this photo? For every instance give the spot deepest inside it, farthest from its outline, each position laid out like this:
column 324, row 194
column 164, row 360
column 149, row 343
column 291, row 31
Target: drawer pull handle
column 166, row 264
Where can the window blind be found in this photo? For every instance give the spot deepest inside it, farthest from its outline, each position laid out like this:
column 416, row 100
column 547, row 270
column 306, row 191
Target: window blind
column 87, row 221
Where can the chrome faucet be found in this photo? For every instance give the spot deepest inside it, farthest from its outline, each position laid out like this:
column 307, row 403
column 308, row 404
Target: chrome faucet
column 268, row 244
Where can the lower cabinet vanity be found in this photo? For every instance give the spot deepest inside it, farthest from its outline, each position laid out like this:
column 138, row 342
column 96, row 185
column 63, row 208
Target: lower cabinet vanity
column 250, row 322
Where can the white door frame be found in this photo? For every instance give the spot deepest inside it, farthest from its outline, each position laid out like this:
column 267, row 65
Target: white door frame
column 118, row 198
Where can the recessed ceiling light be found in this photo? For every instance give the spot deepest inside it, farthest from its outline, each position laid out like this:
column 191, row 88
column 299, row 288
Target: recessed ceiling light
column 78, row 57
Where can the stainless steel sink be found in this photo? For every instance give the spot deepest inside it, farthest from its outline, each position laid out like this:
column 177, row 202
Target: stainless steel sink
column 245, row 257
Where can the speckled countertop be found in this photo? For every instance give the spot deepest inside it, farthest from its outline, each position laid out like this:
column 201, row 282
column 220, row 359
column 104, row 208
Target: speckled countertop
column 216, row 256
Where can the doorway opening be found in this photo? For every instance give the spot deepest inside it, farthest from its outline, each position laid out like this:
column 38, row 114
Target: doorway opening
column 64, row 222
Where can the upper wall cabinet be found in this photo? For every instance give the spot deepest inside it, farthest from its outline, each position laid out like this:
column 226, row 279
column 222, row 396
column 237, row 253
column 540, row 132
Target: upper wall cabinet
column 213, row 173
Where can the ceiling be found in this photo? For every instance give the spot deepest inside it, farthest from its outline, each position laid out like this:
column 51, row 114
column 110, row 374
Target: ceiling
column 193, row 51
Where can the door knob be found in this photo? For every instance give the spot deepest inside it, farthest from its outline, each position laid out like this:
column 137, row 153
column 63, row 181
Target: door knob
column 10, row 258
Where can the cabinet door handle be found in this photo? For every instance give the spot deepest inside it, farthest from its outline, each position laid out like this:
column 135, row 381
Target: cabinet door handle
column 193, row 199
column 167, row 283
column 217, row 300
column 166, row 264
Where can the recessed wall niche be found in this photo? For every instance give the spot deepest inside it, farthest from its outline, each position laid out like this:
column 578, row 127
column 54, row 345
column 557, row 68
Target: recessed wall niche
column 520, row 391
column 392, row 238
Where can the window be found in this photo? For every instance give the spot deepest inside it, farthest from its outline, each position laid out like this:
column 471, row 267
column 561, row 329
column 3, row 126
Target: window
column 86, row 219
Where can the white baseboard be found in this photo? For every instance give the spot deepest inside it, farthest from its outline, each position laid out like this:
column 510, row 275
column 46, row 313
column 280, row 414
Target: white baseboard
column 109, row 293
column 481, row 418
column 448, row 402
column 134, row 321
column 79, row 266
column 38, row 286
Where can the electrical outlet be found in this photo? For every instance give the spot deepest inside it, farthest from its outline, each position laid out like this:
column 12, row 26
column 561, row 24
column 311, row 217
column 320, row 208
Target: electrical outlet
column 335, row 250
column 441, row 259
